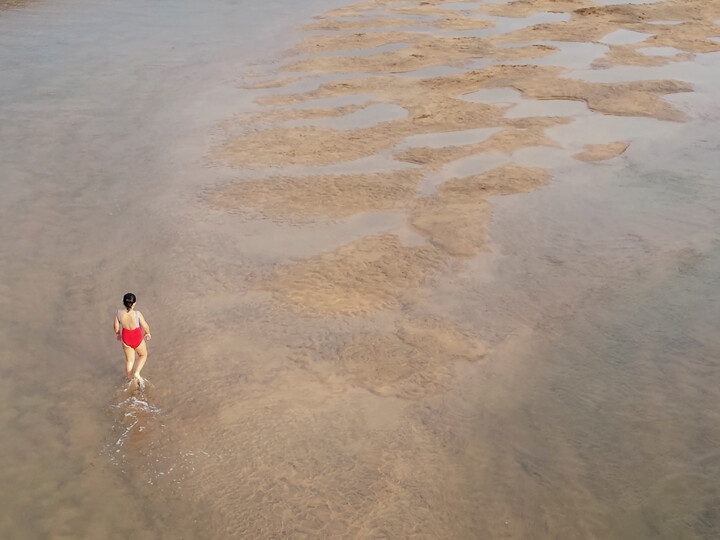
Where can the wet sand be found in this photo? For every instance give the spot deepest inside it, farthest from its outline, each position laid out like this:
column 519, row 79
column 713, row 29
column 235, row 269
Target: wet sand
column 387, row 299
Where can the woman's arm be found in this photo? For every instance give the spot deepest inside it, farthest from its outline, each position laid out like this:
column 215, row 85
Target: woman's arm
column 116, row 326
column 144, row 325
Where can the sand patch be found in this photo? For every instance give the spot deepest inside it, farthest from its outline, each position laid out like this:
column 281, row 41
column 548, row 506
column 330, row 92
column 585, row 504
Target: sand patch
column 457, row 22
column 435, row 94
column 451, row 21
column 425, row 50
column 504, row 180
column 436, row 112
column 589, row 23
column 425, row 9
column 323, row 196
column 313, row 467
column 433, row 106
column 692, row 37
column 637, row 98
column 304, row 146
column 506, row 141
column 600, row 152
column 325, row 43
column 273, row 83
column 378, row 272
column 310, row 145
column 458, row 228
column 413, row 362
column 330, row 24
column 631, row 55
column 423, row 97
column 15, row 4
column 280, row 115
column 526, row 8
column 375, row 272
column 456, row 219
column 354, row 10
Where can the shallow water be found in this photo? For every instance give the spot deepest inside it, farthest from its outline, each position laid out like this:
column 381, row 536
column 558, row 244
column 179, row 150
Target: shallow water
column 623, row 37
column 106, row 113
column 612, row 419
column 593, row 416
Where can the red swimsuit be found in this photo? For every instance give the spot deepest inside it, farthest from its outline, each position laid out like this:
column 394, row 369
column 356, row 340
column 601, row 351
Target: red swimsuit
column 132, row 338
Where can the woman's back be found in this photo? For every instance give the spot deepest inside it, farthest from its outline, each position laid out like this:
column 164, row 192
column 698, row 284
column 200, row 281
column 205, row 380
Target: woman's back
column 128, row 319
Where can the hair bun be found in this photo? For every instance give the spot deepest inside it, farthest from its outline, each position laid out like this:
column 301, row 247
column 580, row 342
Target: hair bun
column 128, row 300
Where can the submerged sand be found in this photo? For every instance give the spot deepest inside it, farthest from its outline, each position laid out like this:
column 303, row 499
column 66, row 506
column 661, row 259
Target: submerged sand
column 379, row 273
column 359, row 318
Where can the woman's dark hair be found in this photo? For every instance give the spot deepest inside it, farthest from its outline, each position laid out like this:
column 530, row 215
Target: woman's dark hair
column 129, row 300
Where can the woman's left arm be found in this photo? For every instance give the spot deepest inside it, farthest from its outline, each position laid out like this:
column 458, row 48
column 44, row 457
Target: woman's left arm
column 144, row 325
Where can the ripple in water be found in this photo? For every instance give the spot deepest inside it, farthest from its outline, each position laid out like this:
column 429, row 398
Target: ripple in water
column 139, row 441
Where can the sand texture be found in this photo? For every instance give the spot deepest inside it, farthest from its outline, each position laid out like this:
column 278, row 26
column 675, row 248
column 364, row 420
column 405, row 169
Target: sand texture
column 272, row 83
column 600, row 152
column 590, row 22
column 339, row 196
column 506, row 141
column 423, row 270
column 412, row 362
column 425, row 51
column 379, row 272
column 376, row 272
column 359, row 335
column 14, row 4
column 456, row 219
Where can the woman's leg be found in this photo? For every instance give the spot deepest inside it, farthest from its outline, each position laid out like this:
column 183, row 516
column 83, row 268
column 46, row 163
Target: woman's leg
column 142, row 357
column 129, row 361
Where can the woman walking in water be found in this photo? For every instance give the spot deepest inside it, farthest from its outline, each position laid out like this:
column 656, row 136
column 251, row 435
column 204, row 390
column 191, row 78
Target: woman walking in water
column 130, row 325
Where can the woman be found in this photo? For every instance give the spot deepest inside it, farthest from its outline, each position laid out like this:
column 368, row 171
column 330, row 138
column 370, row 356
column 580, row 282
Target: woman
column 129, row 327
